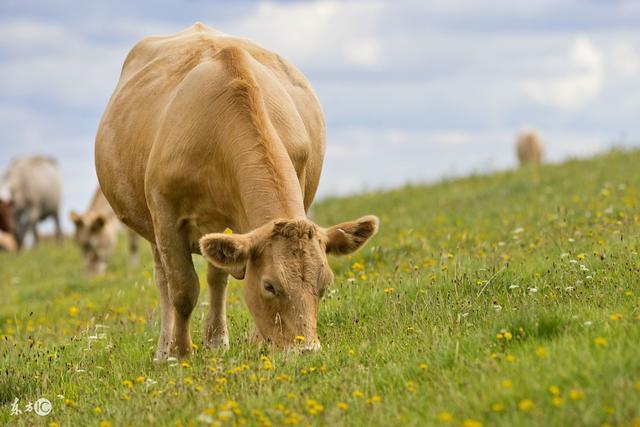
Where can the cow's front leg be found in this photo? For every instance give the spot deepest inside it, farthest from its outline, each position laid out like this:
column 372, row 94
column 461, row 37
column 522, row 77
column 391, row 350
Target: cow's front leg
column 183, row 285
column 166, row 310
column 215, row 330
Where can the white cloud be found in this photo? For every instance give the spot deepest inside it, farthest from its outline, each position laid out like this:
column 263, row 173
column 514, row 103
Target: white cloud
column 324, row 34
column 625, row 59
column 580, row 81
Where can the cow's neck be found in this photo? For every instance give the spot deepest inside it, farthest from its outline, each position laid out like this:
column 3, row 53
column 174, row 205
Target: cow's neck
column 269, row 189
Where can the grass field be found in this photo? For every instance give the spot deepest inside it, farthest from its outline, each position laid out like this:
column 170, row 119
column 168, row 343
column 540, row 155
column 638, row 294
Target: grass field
column 503, row 300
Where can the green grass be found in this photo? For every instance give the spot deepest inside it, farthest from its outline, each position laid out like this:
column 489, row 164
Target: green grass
column 478, row 294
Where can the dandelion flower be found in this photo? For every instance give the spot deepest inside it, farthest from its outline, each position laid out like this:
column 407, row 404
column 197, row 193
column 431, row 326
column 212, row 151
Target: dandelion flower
column 423, row 366
column 506, row 384
column 615, row 317
column 358, row 394
column 97, row 410
column 343, row 406
column 601, row 342
column 140, row 379
column 576, row 394
column 374, row 399
column 525, row 405
column 554, row 390
column 471, row 423
column 541, row 352
column 313, row 407
column 557, row 401
column 497, row 407
column 445, row 417
column 73, row 310
column 105, row 423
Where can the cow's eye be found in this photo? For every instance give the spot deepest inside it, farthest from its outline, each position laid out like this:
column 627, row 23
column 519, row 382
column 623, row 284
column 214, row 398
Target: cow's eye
column 270, row 289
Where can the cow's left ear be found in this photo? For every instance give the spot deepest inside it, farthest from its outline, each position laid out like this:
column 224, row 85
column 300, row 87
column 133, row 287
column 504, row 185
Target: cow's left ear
column 98, row 223
column 76, row 218
column 348, row 237
column 228, row 252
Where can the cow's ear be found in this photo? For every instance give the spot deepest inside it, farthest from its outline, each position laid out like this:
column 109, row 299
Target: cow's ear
column 228, row 252
column 98, row 223
column 76, row 218
column 348, row 237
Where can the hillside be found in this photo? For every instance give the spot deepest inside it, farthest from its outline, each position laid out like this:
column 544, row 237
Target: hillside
column 509, row 299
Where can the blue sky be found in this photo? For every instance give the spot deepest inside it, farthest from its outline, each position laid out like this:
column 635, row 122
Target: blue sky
column 412, row 90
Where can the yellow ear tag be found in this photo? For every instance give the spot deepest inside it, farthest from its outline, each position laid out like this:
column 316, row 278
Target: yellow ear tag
column 228, row 231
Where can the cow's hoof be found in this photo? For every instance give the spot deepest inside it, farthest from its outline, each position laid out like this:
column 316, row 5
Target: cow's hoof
column 217, row 342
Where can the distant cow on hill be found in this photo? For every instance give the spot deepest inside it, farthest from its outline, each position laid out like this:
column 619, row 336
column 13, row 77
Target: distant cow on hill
column 34, row 187
column 97, row 234
column 529, row 148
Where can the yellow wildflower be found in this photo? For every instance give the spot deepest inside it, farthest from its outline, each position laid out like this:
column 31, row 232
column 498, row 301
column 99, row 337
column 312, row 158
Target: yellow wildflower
column 600, row 342
column 557, row 401
column 554, row 390
column 140, row 379
column 73, row 310
column 423, row 366
column 471, row 423
column 445, row 417
column 525, row 405
column 358, row 394
column 105, row 423
column 506, row 384
column 97, row 410
column 615, row 317
column 343, row 406
column 314, row 407
column 374, row 399
column 497, row 407
column 541, row 352
column 576, row 394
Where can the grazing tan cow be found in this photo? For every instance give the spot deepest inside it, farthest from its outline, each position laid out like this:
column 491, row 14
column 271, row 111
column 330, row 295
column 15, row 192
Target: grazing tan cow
column 34, row 187
column 97, row 234
column 206, row 132
column 529, row 148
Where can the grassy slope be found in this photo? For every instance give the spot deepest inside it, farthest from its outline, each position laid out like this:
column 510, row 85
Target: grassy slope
column 423, row 294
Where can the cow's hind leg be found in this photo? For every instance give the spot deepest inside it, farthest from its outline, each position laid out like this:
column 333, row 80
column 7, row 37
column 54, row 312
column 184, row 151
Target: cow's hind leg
column 134, row 247
column 56, row 222
column 166, row 310
column 182, row 280
column 215, row 332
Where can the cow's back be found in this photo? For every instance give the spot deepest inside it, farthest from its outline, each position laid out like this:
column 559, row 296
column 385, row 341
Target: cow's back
column 35, row 183
column 152, row 77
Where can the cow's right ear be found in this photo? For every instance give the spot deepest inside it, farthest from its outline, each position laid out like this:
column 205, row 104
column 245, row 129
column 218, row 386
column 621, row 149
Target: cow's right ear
column 228, row 252
column 76, row 218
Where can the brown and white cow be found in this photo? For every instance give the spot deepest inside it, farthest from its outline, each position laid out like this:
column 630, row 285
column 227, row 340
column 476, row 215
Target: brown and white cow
column 97, row 234
column 206, row 132
column 7, row 229
column 529, row 148
column 33, row 185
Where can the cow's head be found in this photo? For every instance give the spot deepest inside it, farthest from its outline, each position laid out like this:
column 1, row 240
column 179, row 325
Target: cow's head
column 96, row 237
column 284, row 264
